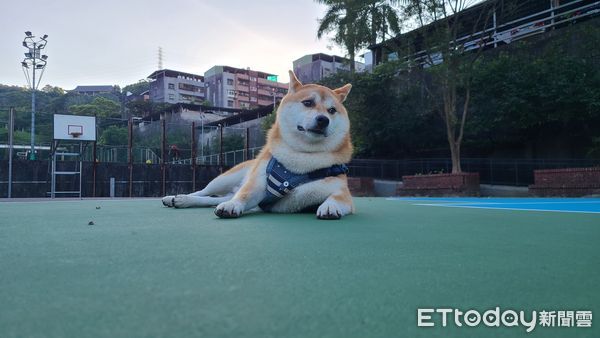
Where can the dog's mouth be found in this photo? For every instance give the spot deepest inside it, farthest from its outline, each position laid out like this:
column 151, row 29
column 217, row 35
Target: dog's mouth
column 313, row 130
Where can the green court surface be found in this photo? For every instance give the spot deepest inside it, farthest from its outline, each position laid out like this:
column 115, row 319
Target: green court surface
column 143, row 270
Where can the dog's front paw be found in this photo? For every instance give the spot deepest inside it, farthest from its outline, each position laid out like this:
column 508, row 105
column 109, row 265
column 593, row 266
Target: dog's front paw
column 330, row 209
column 229, row 209
column 167, row 201
column 182, row 201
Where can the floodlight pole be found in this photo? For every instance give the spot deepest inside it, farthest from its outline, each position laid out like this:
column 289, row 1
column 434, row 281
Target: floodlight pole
column 32, row 154
column 37, row 61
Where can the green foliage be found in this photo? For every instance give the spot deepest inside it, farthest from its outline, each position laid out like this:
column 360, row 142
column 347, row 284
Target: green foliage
column 114, row 135
column 519, row 101
column 230, row 143
column 356, row 24
column 139, row 108
column 100, row 107
column 136, row 88
column 523, row 99
column 388, row 116
column 267, row 121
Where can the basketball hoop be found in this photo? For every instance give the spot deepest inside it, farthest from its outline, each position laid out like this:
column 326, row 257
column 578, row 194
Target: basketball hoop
column 75, row 130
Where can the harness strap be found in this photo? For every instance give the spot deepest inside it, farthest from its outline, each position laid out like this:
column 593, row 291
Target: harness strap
column 281, row 181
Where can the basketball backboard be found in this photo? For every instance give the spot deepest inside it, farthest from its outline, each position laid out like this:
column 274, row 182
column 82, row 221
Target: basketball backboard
column 74, row 127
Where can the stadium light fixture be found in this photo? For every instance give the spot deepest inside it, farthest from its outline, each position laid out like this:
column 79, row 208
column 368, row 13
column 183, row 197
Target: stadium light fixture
column 34, row 58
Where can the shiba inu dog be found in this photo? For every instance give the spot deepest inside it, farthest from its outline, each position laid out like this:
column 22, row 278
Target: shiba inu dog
column 302, row 164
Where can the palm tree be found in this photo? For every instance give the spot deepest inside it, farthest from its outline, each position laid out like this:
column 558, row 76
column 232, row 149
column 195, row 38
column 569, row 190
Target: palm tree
column 381, row 18
column 341, row 18
column 358, row 23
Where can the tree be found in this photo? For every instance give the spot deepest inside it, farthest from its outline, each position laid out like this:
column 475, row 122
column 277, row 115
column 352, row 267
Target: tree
column 357, row 23
column 136, row 88
column 53, row 90
column 139, row 108
column 450, row 67
column 114, row 135
column 100, row 107
column 381, row 18
column 341, row 18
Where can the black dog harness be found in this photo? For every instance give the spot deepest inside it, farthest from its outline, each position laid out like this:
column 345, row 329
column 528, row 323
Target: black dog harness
column 281, row 181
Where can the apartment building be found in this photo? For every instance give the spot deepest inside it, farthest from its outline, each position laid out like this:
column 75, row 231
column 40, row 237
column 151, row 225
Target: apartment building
column 172, row 86
column 314, row 67
column 94, row 90
column 232, row 87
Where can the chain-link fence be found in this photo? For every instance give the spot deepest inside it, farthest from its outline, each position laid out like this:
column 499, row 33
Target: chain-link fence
column 179, row 153
column 515, row 172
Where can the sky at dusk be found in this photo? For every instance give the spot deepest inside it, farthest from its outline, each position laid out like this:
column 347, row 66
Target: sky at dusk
column 113, row 42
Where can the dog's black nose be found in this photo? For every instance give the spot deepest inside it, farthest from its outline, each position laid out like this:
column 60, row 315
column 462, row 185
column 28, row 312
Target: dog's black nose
column 322, row 121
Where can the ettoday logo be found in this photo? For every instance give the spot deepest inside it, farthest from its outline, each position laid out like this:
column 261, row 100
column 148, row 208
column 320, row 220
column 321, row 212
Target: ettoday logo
column 496, row 317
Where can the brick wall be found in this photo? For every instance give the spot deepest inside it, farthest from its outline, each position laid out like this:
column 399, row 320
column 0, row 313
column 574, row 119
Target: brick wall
column 566, row 182
column 463, row 184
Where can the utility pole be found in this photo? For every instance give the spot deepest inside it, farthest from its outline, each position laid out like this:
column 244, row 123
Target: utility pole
column 34, row 60
column 160, row 58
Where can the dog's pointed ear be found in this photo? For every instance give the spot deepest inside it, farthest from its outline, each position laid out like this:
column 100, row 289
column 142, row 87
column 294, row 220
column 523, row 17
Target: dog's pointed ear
column 343, row 92
column 295, row 84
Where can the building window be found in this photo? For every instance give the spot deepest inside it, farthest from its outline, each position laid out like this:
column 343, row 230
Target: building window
column 171, row 86
column 229, row 103
column 252, row 79
column 252, row 89
column 230, row 82
column 171, row 96
column 189, row 87
column 231, row 93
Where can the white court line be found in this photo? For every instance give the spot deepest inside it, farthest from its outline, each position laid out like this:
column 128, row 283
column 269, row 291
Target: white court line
column 118, row 199
column 516, row 201
column 511, row 209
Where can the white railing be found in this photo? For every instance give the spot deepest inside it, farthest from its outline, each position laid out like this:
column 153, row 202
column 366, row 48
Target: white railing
column 230, row 158
column 529, row 25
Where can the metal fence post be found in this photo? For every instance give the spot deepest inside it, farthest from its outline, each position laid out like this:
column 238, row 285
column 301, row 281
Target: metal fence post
column 247, row 150
column 130, row 154
column 94, row 167
column 11, row 122
column 221, row 147
column 193, row 156
column 163, row 155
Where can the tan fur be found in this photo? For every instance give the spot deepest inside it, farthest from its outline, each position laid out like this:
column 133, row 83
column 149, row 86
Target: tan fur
column 300, row 150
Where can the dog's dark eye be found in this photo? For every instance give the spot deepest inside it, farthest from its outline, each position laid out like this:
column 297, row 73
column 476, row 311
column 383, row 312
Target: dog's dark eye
column 308, row 103
column 331, row 110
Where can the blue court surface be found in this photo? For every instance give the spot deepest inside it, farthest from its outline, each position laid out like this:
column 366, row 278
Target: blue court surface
column 579, row 205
